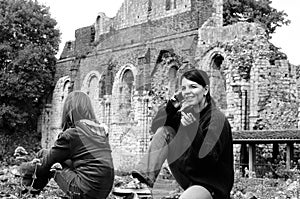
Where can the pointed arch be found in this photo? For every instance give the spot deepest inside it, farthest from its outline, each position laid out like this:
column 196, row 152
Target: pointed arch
column 214, row 63
column 164, row 77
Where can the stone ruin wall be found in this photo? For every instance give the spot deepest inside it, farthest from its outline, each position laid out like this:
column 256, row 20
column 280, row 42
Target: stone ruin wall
column 275, row 91
column 119, row 75
column 134, row 12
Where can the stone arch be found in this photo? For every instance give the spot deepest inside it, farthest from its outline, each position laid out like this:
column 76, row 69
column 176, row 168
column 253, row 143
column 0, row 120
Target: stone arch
column 164, row 77
column 214, row 63
column 123, row 90
column 91, row 86
column 89, row 81
column 60, row 93
column 65, row 90
column 99, row 25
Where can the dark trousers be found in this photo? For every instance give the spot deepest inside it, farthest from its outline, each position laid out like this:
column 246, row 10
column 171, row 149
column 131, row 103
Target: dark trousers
column 165, row 144
column 168, row 145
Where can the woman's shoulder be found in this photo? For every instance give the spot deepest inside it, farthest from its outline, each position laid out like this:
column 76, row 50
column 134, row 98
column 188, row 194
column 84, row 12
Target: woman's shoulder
column 93, row 127
column 68, row 132
column 217, row 113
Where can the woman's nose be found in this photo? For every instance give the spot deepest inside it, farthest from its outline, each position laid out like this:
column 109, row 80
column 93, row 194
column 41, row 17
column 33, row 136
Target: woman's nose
column 185, row 94
column 187, row 90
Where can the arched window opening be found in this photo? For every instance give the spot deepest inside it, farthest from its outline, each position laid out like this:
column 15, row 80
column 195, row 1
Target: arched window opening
column 168, row 4
column 217, row 61
column 173, row 85
column 218, row 82
column 149, row 5
column 98, row 20
column 93, row 88
column 65, row 91
column 125, row 94
column 127, row 82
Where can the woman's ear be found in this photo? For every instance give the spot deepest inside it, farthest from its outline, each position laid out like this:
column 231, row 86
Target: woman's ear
column 206, row 89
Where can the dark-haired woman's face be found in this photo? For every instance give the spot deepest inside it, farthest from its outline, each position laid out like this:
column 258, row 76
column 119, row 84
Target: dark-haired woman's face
column 193, row 93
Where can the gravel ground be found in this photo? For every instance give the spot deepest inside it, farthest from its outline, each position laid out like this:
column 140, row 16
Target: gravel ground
column 10, row 187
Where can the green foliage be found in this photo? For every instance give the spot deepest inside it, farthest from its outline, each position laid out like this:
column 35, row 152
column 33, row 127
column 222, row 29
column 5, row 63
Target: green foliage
column 28, row 44
column 258, row 11
column 9, row 142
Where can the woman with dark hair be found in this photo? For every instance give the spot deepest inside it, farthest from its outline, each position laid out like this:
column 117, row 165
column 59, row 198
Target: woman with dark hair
column 195, row 138
column 83, row 151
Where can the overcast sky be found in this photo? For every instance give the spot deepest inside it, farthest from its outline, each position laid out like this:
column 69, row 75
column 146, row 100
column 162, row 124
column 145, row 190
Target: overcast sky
column 73, row 14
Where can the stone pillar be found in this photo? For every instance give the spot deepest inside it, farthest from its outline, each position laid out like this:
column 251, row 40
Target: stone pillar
column 244, row 158
column 289, row 155
column 245, row 87
column 252, row 157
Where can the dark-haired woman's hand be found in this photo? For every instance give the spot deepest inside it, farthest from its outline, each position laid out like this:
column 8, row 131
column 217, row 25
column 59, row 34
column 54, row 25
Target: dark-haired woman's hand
column 177, row 99
column 187, row 118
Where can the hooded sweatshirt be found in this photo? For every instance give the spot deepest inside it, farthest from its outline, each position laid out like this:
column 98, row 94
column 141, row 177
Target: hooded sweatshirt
column 87, row 148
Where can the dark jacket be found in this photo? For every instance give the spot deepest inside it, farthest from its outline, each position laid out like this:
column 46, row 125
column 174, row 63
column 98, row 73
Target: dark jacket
column 203, row 150
column 88, row 148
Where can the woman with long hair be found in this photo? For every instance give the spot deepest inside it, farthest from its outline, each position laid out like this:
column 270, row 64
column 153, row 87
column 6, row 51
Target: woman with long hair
column 83, row 151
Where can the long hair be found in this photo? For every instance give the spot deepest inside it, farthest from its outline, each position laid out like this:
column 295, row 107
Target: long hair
column 77, row 106
column 201, row 78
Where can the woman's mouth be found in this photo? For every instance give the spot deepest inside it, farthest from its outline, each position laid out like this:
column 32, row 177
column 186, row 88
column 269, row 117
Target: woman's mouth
column 188, row 98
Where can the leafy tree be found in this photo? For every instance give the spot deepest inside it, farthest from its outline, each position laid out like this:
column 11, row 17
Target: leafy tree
column 259, row 11
column 28, row 45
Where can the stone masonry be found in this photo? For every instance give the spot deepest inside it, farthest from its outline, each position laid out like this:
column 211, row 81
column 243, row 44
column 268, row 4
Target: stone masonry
column 131, row 63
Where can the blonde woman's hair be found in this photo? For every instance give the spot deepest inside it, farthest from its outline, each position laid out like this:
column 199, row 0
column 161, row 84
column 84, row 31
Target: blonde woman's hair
column 77, row 106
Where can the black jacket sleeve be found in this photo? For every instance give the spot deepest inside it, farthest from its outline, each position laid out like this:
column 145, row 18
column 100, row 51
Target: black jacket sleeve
column 167, row 115
column 57, row 154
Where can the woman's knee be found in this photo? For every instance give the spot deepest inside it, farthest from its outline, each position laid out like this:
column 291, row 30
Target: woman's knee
column 165, row 132
column 196, row 192
column 63, row 178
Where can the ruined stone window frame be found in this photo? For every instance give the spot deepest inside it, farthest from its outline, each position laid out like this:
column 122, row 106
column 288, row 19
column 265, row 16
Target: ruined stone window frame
column 97, row 27
column 168, row 5
column 91, row 77
column 216, row 61
column 87, row 82
column 130, row 86
column 69, row 45
column 65, row 90
column 149, row 5
column 173, row 81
